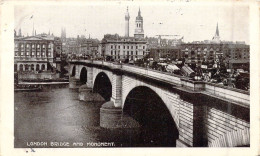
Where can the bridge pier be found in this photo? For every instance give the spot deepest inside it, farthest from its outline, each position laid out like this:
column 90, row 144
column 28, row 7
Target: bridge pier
column 86, row 94
column 89, row 77
column 74, row 82
column 191, row 127
column 112, row 117
column 117, row 90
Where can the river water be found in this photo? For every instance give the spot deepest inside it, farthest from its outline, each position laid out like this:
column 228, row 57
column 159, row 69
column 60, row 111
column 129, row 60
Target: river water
column 55, row 117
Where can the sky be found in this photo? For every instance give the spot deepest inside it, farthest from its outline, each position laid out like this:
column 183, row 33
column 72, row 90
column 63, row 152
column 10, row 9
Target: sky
column 195, row 22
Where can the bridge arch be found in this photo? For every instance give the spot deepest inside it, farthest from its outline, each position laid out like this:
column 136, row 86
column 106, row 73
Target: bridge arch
column 103, row 86
column 149, row 110
column 83, row 75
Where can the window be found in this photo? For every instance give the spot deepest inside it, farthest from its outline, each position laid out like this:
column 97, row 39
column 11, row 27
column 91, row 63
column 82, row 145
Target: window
column 131, row 47
column 38, row 53
column 16, row 53
column 27, row 53
column 136, row 52
column 143, row 47
column 43, row 46
column 127, row 52
column 32, row 53
column 21, row 45
column 111, row 52
column 43, row 53
column 16, row 45
column 136, row 47
column 127, row 47
column 49, row 53
column 131, row 52
column 49, row 46
column 38, row 46
column 118, row 47
column 33, row 46
column 21, row 53
column 111, row 46
column 124, row 47
column 27, row 46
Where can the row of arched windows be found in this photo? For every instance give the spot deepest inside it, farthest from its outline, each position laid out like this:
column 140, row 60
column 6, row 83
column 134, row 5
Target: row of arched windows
column 28, row 67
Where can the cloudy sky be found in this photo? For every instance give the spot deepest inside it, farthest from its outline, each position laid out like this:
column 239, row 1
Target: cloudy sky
column 195, row 22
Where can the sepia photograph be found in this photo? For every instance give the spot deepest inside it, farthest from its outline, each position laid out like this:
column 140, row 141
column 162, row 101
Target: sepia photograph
column 127, row 74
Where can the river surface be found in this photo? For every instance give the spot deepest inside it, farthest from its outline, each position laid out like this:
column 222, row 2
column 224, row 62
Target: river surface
column 55, row 117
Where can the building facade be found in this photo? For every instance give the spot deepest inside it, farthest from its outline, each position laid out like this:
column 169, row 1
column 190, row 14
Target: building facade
column 232, row 55
column 88, row 46
column 166, row 53
column 117, row 47
column 35, row 53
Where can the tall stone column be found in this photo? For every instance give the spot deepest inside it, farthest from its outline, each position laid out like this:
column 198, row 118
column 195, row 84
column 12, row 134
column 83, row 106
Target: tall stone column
column 117, row 90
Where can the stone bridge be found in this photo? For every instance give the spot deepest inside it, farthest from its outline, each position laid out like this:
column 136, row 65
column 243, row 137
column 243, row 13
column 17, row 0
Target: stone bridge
column 188, row 113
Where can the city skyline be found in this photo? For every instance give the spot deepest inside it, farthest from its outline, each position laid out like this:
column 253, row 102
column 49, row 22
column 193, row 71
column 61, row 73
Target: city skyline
column 98, row 20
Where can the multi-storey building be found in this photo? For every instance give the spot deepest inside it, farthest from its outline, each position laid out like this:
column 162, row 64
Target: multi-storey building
column 171, row 53
column 34, row 53
column 118, row 47
column 163, row 42
column 89, row 46
column 233, row 55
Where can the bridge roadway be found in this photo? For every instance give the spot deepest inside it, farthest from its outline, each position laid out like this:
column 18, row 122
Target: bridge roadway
column 202, row 114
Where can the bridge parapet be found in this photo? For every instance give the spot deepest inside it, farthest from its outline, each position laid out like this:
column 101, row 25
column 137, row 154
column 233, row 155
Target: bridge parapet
column 218, row 91
column 226, row 93
column 232, row 94
column 166, row 77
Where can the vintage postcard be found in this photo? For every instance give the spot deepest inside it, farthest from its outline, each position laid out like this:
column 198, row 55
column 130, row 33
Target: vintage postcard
column 173, row 77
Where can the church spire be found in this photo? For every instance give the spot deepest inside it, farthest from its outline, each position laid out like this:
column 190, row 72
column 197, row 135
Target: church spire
column 216, row 38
